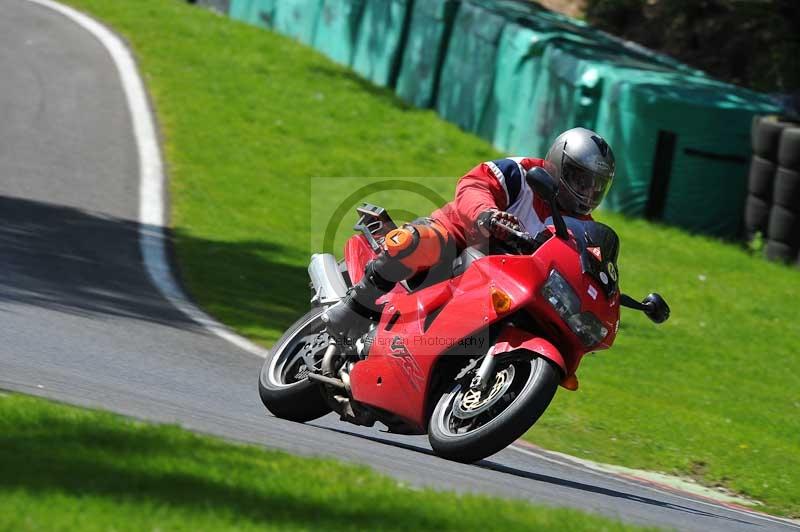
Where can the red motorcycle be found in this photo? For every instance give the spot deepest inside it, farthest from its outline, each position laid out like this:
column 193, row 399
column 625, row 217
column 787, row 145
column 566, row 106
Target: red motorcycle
column 471, row 354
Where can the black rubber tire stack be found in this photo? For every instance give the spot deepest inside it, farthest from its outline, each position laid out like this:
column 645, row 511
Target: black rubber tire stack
column 773, row 199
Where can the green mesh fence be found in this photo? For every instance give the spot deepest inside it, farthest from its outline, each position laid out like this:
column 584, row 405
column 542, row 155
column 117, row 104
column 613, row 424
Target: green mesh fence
column 258, row 12
column 530, row 14
column 337, row 29
column 379, row 46
column 465, row 86
column 426, row 43
column 295, row 18
column 518, row 75
column 682, row 146
column 510, row 112
column 567, row 91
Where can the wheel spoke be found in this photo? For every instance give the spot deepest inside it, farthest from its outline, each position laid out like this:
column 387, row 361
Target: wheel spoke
column 302, row 356
column 303, row 352
column 299, row 353
column 316, row 349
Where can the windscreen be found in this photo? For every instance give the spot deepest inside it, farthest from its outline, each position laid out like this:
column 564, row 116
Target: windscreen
column 599, row 248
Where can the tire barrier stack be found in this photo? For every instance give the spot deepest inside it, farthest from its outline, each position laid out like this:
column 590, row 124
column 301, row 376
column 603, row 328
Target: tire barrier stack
column 772, row 207
column 517, row 74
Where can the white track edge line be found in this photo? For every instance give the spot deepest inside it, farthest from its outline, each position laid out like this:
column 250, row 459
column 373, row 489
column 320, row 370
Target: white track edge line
column 152, row 236
column 649, row 485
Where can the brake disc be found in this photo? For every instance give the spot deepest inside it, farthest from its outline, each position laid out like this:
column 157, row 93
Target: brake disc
column 468, row 404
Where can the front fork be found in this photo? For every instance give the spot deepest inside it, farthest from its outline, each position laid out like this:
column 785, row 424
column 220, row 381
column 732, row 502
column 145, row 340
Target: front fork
column 485, row 371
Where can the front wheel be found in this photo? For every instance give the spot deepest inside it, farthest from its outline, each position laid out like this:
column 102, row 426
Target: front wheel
column 283, row 384
column 468, row 425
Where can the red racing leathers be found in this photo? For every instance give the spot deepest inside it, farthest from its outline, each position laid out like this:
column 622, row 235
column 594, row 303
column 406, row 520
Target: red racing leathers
column 498, row 184
column 422, row 245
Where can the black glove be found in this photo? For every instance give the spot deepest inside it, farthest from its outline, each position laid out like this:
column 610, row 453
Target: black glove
column 496, row 223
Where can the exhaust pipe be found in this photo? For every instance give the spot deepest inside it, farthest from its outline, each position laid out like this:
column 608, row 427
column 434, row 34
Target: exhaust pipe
column 327, row 280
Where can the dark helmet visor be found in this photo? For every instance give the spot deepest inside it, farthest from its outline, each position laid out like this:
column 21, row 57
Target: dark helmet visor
column 589, row 188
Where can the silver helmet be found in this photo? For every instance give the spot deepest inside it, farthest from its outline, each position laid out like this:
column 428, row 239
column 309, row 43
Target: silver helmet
column 583, row 163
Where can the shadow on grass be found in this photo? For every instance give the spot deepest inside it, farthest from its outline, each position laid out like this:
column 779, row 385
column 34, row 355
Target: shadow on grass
column 52, row 454
column 253, row 286
column 89, row 264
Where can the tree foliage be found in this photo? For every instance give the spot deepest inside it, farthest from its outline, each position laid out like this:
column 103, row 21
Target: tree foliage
column 755, row 43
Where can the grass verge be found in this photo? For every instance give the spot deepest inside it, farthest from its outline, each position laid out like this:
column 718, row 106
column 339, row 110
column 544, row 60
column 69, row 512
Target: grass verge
column 249, row 118
column 66, row 468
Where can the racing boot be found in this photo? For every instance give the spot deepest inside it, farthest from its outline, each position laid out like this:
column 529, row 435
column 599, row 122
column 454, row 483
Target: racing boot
column 351, row 317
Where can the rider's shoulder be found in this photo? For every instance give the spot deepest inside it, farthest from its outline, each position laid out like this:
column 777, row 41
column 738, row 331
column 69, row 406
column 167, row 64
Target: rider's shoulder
column 528, row 162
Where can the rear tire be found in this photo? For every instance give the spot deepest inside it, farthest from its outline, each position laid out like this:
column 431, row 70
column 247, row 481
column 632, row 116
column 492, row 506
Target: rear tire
column 525, row 399
column 787, row 189
column 282, row 385
column 789, row 148
column 761, row 178
column 766, row 136
column 780, row 252
column 784, row 226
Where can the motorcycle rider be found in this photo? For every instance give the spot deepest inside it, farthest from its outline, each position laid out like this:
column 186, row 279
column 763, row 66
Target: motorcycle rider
column 490, row 199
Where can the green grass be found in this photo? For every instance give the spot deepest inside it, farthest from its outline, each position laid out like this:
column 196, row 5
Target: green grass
column 249, row 118
column 714, row 393
column 66, row 468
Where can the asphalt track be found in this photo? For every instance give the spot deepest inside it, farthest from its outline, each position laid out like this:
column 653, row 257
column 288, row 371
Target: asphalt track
column 83, row 323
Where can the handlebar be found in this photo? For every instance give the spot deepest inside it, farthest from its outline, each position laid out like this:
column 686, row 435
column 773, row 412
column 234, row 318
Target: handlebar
column 524, row 241
column 523, row 237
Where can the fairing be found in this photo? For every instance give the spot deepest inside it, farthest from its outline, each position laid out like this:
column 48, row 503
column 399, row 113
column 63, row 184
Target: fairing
column 357, row 253
column 514, row 339
column 452, row 318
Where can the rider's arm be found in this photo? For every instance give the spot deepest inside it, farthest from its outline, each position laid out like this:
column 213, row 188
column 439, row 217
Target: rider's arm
column 476, row 192
column 492, row 185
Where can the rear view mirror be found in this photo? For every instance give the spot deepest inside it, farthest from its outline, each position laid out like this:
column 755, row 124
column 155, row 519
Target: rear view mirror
column 545, row 187
column 656, row 308
column 542, row 183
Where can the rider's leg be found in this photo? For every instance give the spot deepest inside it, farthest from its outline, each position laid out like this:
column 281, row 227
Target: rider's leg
column 406, row 251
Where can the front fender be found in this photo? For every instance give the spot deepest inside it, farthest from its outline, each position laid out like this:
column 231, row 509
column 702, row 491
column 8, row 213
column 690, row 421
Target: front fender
column 512, row 339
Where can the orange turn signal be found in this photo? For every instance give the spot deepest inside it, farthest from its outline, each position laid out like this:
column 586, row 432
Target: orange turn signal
column 570, row 383
column 501, row 301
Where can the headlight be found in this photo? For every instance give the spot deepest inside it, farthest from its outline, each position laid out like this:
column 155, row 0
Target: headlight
column 588, row 328
column 561, row 296
column 566, row 302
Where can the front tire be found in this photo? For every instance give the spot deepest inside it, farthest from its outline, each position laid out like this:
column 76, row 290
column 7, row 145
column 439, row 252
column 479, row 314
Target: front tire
column 466, row 427
column 282, row 383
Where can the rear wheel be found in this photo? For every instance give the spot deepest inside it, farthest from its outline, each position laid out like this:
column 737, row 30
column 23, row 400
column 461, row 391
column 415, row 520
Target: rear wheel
column 761, row 178
column 282, row 384
column 468, row 425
